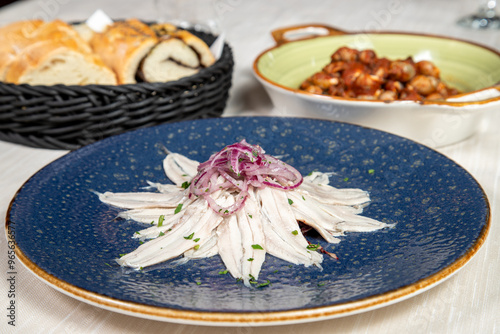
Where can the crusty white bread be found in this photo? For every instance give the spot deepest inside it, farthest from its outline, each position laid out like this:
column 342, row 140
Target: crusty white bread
column 52, row 62
column 14, row 38
column 123, row 45
column 169, row 60
column 47, row 53
column 197, row 44
column 162, row 29
column 38, row 52
column 178, row 54
column 84, row 31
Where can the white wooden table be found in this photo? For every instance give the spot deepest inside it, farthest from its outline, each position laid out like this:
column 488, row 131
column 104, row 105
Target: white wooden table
column 468, row 302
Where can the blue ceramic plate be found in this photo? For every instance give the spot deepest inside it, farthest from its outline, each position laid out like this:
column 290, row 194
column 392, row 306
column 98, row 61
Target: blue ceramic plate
column 69, row 239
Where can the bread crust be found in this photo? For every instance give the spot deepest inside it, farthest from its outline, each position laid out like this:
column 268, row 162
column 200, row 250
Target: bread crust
column 123, row 45
column 26, row 45
column 46, row 55
column 167, row 30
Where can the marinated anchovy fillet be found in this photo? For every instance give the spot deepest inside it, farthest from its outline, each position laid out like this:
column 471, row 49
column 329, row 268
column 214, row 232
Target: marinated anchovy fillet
column 240, row 204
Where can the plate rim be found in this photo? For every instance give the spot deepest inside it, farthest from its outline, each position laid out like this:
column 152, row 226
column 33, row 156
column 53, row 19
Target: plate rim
column 267, row 318
column 264, row 318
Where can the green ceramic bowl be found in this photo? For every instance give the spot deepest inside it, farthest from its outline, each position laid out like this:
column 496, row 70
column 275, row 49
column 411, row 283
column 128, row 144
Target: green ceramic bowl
column 469, row 67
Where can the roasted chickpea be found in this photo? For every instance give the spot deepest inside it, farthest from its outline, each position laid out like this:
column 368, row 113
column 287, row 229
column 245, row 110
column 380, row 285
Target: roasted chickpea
column 381, row 68
column 345, row 54
column 335, row 67
column 360, row 74
column 402, row 70
column 388, row 95
column 425, row 67
column 434, row 97
column 324, row 80
column 366, row 84
column 394, row 86
column 351, row 73
column 367, row 56
column 409, row 93
column 313, row 89
column 423, row 84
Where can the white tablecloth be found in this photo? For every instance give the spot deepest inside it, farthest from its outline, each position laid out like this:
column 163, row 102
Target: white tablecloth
column 468, row 302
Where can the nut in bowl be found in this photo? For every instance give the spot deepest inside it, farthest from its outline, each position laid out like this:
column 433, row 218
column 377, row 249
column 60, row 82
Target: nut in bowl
column 470, row 73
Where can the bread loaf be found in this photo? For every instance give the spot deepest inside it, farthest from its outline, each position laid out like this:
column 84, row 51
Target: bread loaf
column 123, row 45
column 156, row 53
column 178, row 54
column 13, row 39
column 48, row 53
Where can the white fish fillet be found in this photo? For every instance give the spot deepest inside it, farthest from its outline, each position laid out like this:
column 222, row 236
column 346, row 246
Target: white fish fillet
column 331, row 195
column 146, row 216
column 252, row 234
column 179, row 168
column 229, row 245
column 142, row 199
column 208, row 248
column 281, row 220
column 268, row 220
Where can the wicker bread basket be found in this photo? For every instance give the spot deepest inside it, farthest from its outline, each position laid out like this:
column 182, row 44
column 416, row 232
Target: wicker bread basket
column 67, row 117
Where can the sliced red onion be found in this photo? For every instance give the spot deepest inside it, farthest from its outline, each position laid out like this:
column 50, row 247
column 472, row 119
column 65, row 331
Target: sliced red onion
column 238, row 167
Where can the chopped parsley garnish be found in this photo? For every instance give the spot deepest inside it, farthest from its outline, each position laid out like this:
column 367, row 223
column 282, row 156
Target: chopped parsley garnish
column 198, row 283
column 249, row 215
column 295, row 232
column 290, row 201
column 196, row 247
column 189, row 237
column 196, row 240
column 261, row 285
column 160, row 220
column 313, row 247
column 250, row 259
column 161, row 234
column 185, row 184
column 256, row 246
column 346, row 179
column 371, row 171
column 178, row 208
column 223, row 272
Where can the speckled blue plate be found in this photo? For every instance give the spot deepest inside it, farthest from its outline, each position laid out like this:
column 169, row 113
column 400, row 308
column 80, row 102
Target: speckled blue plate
column 69, row 239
